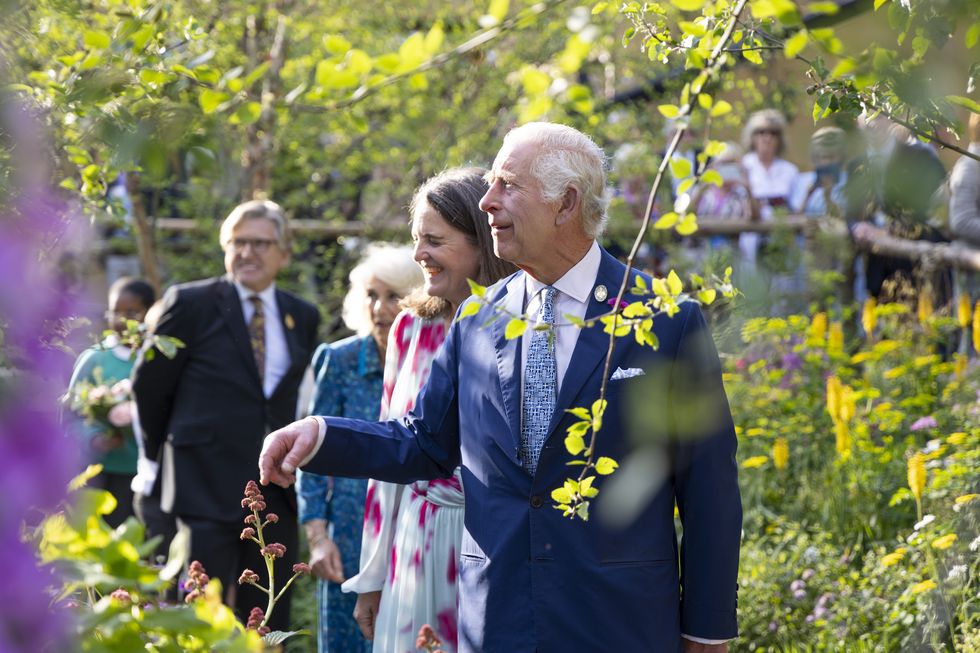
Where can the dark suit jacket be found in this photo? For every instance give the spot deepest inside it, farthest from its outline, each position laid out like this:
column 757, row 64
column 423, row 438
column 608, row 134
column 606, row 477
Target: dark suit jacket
column 529, row 578
column 203, row 413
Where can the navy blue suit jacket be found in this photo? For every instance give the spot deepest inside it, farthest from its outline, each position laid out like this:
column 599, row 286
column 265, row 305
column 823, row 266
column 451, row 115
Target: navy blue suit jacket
column 530, row 579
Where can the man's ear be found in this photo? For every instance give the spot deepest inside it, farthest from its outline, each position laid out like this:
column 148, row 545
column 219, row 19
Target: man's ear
column 569, row 205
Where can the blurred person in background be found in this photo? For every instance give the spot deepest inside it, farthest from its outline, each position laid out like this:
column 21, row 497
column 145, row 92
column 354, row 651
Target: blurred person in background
column 964, row 204
column 348, row 376
column 101, row 378
column 204, row 413
column 821, row 191
column 771, row 177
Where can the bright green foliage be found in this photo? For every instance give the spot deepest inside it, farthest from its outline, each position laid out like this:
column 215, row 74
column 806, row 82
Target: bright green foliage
column 113, row 593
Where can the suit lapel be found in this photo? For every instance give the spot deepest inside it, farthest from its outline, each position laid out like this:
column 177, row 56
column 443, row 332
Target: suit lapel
column 230, row 307
column 508, row 354
column 589, row 355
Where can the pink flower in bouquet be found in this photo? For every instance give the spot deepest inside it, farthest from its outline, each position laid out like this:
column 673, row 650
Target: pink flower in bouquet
column 121, row 414
column 927, row 422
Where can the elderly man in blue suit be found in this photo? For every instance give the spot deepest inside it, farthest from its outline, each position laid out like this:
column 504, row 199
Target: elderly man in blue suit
column 531, row 580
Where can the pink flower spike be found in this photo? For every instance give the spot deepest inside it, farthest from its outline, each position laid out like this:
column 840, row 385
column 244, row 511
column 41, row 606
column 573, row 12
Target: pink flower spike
column 927, row 422
column 301, row 568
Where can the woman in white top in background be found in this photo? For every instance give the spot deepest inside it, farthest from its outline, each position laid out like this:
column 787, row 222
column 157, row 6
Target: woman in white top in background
column 771, row 178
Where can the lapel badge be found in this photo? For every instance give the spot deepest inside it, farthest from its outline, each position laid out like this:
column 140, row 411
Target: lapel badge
column 289, row 321
column 600, row 293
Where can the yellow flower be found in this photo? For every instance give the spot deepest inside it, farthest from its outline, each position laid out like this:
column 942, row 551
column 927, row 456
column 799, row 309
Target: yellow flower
column 976, row 327
column 944, row 542
column 755, row 461
column 925, row 305
column 924, row 586
column 835, row 339
column 965, row 498
column 961, row 365
column 957, row 438
column 833, row 396
column 917, row 475
column 843, row 439
column 780, row 453
column 818, row 326
column 868, row 317
column 895, row 372
column 755, row 430
column 893, row 558
column 847, row 404
column 963, row 310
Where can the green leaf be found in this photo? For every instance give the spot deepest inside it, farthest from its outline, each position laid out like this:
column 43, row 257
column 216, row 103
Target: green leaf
column 96, row 40
column 666, row 221
column 336, row 45
column 92, row 471
column 972, row 35
column 535, row 82
column 605, row 466
column 828, row 8
column 149, row 76
column 640, row 282
column 580, row 412
column 688, row 225
column 574, row 444
column 795, row 44
column 674, row 283
column 210, row 100
column 712, row 177
column 498, row 9
column 752, row 56
column 247, row 113
column 256, row 74
column 680, row 167
column 843, row 67
column 561, row 495
column 878, row 4
column 688, row 5
column 721, row 108
column 685, row 185
column 476, row 289
column 707, row 295
column 585, row 487
column 964, row 102
column 599, row 7
column 669, row 110
column 704, row 101
column 470, row 308
column 515, row 328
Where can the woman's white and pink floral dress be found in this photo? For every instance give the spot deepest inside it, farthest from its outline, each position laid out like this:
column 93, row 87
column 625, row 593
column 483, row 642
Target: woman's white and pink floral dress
column 412, row 533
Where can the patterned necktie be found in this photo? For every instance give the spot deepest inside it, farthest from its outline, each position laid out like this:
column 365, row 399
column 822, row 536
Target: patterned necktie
column 540, row 385
column 256, row 334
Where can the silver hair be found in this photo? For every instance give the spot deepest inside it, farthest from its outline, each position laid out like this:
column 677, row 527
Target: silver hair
column 767, row 118
column 567, row 157
column 253, row 210
column 391, row 264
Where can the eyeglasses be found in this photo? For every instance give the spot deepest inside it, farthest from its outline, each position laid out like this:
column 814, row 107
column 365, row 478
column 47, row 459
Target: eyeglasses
column 259, row 245
column 771, row 132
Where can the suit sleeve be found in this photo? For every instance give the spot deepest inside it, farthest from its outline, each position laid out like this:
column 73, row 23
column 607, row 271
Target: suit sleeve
column 422, row 445
column 156, row 377
column 706, row 486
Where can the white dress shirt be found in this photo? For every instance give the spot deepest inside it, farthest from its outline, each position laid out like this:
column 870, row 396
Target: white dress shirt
column 574, row 291
column 277, row 358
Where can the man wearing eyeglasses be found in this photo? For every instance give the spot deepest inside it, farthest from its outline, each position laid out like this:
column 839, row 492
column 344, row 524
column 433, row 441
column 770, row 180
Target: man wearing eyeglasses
column 205, row 412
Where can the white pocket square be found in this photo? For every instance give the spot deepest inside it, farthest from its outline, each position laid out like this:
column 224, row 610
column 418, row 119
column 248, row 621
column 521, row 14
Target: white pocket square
column 628, row 373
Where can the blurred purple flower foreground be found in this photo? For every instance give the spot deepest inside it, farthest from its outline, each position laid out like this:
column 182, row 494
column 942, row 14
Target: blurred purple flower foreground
column 37, row 458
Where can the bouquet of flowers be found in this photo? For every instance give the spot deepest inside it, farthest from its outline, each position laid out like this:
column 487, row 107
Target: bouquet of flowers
column 107, row 406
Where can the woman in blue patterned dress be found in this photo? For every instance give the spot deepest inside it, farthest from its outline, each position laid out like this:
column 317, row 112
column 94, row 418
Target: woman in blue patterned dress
column 348, row 376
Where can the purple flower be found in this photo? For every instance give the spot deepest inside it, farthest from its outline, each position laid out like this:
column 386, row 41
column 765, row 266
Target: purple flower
column 927, row 422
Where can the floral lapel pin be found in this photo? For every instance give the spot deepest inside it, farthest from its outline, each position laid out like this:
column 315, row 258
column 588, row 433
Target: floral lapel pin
column 600, row 293
column 289, row 321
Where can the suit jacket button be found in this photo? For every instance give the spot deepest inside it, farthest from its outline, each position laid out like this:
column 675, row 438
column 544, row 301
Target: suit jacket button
column 536, row 501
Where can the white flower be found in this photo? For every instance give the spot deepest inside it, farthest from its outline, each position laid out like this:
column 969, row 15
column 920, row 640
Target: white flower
column 925, row 521
column 956, row 573
column 975, row 544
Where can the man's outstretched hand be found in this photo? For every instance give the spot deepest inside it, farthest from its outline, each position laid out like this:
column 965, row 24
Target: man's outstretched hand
column 285, row 450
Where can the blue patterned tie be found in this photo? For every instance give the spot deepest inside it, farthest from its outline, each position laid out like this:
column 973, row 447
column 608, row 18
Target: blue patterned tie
column 540, row 385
